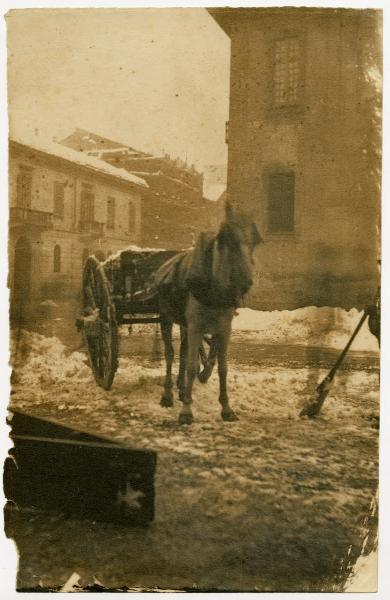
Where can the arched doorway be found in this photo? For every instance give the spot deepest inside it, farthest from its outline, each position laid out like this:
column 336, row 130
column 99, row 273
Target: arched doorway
column 20, row 294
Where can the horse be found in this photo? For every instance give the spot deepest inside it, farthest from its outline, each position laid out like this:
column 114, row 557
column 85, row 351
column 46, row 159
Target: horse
column 200, row 290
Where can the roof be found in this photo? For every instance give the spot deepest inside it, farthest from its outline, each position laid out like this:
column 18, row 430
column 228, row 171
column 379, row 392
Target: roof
column 81, row 159
column 85, row 141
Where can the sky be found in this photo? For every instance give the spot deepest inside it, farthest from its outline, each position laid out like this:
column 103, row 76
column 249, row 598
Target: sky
column 154, row 79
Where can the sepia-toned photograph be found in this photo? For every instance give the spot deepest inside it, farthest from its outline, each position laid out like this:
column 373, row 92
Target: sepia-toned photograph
column 194, row 274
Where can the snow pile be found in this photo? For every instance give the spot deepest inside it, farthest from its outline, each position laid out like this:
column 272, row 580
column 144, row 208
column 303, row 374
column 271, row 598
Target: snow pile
column 309, row 326
column 37, row 359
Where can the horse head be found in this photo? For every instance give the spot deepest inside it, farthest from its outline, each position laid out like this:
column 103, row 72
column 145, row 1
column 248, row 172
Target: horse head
column 233, row 262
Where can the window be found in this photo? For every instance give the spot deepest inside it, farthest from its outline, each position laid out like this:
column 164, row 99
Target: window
column 111, row 213
column 281, row 196
column 57, row 259
column 99, row 254
column 286, row 78
column 59, row 196
column 132, row 217
column 87, row 204
column 85, row 255
column 24, row 187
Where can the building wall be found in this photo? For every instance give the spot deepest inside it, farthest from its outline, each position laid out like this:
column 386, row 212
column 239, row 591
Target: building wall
column 173, row 224
column 65, row 232
column 331, row 257
column 173, row 213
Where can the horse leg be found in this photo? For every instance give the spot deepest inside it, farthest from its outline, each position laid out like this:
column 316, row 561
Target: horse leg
column 204, row 375
column 227, row 412
column 181, row 379
column 194, row 339
column 166, row 332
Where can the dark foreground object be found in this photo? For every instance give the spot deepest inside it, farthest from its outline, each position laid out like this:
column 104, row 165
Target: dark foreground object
column 55, row 468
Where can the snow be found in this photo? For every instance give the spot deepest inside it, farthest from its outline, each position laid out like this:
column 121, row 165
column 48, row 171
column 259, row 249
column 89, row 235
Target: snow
column 131, row 248
column 40, row 360
column 79, row 158
column 310, row 477
column 309, row 326
column 148, row 157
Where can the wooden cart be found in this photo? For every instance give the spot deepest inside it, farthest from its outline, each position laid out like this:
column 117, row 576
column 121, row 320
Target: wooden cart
column 118, row 292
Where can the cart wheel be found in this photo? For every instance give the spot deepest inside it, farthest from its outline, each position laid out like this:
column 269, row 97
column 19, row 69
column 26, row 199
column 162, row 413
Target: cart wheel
column 101, row 336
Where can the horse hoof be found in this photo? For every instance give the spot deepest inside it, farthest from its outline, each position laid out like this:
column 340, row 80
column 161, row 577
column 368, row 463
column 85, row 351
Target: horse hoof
column 166, row 402
column 203, row 377
column 185, row 418
column 229, row 415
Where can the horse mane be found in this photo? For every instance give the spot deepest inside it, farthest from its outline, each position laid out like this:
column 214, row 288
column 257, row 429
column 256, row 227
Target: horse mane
column 206, row 273
column 205, row 270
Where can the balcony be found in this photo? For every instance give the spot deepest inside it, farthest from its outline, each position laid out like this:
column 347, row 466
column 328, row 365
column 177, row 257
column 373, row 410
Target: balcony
column 91, row 229
column 27, row 216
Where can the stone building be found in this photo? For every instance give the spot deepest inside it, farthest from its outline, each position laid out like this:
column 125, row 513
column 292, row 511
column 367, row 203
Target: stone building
column 63, row 206
column 173, row 210
column 304, row 149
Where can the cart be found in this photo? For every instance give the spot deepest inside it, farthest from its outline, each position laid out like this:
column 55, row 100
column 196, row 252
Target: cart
column 118, row 292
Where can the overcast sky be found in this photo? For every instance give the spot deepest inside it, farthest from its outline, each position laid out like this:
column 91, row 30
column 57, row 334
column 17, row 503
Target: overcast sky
column 155, row 79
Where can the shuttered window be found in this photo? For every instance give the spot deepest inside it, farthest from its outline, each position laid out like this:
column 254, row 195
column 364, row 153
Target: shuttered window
column 57, row 259
column 87, row 204
column 287, row 71
column 132, row 217
column 281, row 199
column 59, row 197
column 24, row 187
column 111, row 213
column 85, row 255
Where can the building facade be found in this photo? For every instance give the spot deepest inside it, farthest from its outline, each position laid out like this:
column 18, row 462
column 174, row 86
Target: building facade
column 174, row 209
column 304, row 149
column 63, row 207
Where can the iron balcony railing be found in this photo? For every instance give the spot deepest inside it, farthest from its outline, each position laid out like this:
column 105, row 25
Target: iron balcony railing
column 91, row 227
column 28, row 216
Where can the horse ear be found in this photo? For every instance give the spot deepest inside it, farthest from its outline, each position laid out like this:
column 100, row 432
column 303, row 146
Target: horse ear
column 229, row 211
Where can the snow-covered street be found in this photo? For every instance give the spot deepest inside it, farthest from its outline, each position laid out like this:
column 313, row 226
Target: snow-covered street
column 270, row 503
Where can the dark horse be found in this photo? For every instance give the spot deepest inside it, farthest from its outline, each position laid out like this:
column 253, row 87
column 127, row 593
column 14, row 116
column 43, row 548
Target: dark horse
column 200, row 290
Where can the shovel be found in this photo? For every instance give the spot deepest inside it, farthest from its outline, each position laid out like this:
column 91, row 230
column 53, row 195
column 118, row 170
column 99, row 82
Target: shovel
column 313, row 408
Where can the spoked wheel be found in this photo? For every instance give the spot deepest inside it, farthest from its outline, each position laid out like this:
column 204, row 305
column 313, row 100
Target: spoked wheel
column 100, row 328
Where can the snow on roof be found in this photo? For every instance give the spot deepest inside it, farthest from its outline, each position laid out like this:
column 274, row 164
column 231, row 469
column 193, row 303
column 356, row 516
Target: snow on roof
column 80, row 158
column 146, row 157
column 110, row 150
column 89, row 139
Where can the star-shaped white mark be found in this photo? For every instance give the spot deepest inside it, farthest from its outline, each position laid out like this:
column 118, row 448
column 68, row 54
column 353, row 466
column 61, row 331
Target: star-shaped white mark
column 130, row 497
